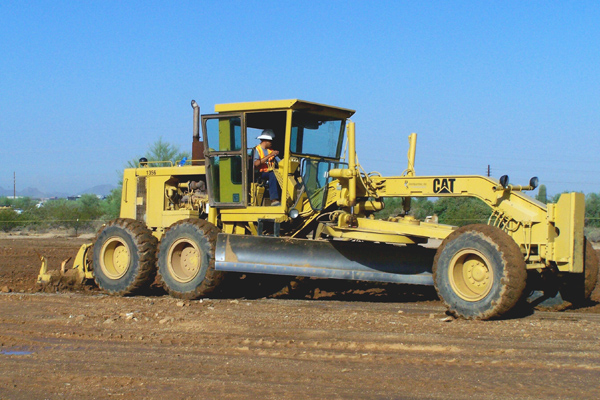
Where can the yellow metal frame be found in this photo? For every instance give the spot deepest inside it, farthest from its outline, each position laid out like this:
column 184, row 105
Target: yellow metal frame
column 291, row 104
column 545, row 234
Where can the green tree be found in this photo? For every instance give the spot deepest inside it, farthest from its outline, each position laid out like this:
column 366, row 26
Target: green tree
column 9, row 219
column 450, row 210
column 89, row 207
column 61, row 212
column 160, row 151
column 393, row 207
column 461, row 211
column 111, row 206
column 21, row 203
column 31, row 218
column 542, row 196
column 421, row 208
column 592, row 210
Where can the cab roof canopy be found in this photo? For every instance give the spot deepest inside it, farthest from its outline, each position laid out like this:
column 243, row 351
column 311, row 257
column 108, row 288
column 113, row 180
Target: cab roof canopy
column 293, row 104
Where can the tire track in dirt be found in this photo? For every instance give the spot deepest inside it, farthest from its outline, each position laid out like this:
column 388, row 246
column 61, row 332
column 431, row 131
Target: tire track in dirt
column 190, row 330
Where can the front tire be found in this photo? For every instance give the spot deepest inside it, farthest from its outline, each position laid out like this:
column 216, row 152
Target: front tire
column 479, row 272
column 124, row 257
column 186, row 259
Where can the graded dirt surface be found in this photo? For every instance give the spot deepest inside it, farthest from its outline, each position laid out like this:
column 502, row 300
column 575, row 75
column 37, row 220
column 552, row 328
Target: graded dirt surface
column 367, row 342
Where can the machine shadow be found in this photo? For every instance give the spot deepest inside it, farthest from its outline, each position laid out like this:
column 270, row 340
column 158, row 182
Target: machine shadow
column 256, row 286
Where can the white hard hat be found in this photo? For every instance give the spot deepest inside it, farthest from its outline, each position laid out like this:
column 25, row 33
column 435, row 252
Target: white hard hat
column 267, row 134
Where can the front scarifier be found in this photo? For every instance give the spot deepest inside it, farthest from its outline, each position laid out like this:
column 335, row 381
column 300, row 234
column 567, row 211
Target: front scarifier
column 186, row 259
column 479, row 272
column 124, row 257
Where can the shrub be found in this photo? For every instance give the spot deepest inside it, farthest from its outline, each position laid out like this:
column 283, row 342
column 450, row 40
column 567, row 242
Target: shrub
column 8, row 220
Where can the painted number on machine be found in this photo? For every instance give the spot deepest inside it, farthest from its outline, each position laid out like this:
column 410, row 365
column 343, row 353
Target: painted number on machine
column 445, row 185
column 151, row 172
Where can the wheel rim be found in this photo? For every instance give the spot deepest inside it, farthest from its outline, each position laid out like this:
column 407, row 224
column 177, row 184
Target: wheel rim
column 115, row 258
column 471, row 275
column 184, row 260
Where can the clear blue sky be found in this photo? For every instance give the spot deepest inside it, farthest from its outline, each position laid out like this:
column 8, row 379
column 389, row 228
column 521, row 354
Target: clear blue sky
column 86, row 86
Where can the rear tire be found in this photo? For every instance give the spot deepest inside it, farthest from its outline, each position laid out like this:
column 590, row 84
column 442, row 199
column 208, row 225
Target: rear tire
column 479, row 272
column 124, row 257
column 591, row 269
column 186, row 259
column 577, row 288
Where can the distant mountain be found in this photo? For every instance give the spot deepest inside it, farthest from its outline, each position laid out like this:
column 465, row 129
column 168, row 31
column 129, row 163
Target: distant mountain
column 31, row 192
column 27, row 192
column 101, row 190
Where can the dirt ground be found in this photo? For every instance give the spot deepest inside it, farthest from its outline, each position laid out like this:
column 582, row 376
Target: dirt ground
column 329, row 340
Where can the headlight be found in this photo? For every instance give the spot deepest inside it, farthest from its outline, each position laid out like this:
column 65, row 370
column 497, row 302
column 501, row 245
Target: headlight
column 533, row 182
column 293, row 214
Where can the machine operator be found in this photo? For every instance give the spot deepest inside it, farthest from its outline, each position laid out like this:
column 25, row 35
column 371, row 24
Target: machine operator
column 264, row 161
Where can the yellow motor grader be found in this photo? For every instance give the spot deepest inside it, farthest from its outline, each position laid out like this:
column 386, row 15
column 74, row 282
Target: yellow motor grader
column 192, row 221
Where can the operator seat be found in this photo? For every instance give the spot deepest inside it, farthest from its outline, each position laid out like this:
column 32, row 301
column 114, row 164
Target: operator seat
column 259, row 187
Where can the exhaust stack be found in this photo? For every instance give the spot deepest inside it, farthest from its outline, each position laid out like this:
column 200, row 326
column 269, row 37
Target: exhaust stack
column 197, row 145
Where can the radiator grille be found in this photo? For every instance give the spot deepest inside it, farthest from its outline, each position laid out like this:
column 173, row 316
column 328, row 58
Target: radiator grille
column 140, row 209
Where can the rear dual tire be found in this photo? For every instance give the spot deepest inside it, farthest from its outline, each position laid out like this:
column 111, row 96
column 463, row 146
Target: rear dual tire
column 123, row 257
column 186, row 259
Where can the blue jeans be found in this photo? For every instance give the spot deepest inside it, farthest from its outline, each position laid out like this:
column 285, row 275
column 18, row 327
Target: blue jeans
column 273, row 186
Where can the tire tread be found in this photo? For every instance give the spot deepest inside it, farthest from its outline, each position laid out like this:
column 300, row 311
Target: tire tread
column 213, row 277
column 146, row 245
column 515, row 273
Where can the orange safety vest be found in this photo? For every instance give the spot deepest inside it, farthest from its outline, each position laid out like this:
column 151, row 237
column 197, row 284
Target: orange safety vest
column 269, row 165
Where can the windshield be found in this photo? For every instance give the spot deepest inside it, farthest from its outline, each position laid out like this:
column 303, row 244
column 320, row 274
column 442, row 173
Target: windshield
column 316, row 179
column 317, row 135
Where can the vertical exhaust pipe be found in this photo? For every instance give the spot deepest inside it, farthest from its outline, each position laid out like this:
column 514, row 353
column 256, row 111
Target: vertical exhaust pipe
column 197, row 145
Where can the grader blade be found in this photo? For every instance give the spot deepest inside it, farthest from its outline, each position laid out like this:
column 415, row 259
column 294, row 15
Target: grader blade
column 324, row 259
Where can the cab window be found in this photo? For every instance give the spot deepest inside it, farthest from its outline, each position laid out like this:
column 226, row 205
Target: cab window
column 316, row 135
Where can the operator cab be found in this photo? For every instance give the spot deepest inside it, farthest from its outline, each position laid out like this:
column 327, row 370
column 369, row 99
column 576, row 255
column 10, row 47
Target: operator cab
column 308, row 136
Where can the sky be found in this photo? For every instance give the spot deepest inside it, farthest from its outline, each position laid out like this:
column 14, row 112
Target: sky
column 87, row 86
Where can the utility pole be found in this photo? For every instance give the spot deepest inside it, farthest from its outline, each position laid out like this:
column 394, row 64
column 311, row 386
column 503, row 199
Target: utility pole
column 488, row 170
column 14, row 185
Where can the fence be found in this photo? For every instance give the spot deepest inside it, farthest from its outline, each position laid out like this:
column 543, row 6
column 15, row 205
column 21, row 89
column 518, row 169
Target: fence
column 40, row 225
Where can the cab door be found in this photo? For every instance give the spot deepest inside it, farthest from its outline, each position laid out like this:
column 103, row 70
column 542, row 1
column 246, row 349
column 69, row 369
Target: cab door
column 226, row 159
